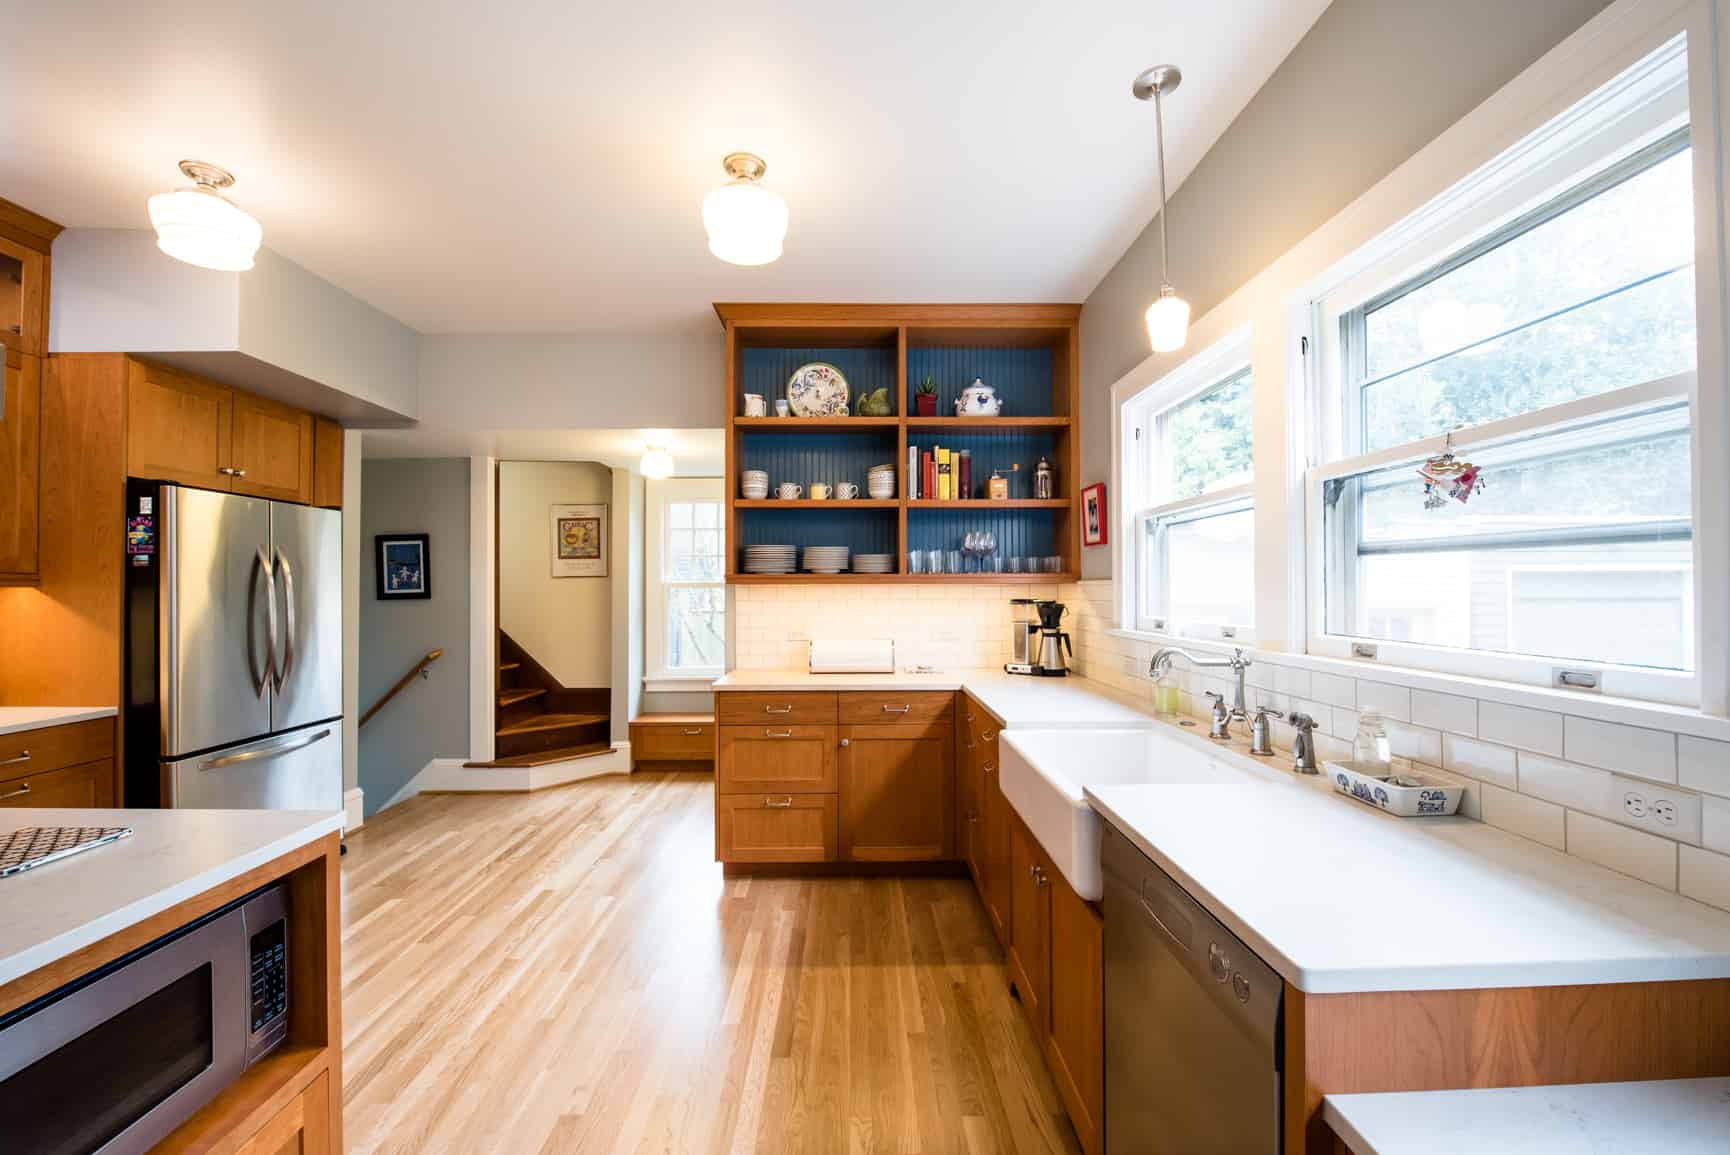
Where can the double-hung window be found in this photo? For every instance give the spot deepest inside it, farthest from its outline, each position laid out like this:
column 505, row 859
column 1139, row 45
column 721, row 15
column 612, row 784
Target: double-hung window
column 1556, row 352
column 1189, row 452
column 685, row 559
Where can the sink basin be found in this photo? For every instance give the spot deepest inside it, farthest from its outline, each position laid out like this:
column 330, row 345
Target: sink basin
column 1043, row 773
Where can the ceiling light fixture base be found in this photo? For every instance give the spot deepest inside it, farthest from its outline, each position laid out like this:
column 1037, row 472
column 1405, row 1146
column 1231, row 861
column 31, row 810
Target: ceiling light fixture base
column 1161, row 78
column 744, row 165
column 206, row 175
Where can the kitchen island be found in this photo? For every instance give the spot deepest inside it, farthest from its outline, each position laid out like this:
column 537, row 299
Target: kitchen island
column 64, row 921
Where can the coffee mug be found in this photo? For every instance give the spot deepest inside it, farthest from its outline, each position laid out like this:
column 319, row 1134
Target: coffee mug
column 787, row 491
column 820, row 491
column 755, row 406
column 846, row 491
column 780, row 407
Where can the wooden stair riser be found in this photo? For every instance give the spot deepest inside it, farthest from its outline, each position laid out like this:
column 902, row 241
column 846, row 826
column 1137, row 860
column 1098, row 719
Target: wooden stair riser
column 537, row 741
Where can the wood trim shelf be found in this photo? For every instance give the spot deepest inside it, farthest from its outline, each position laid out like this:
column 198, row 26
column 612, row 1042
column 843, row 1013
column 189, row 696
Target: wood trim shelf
column 959, row 424
column 988, row 503
column 814, row 424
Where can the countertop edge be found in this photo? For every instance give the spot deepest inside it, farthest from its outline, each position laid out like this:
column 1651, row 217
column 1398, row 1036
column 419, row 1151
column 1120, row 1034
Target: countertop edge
column 51, row 716
column 43, row 954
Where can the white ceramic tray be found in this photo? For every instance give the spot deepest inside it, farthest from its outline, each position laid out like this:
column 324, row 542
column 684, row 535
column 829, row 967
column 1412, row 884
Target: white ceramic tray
column 1407, row 793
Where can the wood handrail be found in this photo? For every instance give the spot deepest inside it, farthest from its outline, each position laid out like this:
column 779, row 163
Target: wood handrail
column 419, row 668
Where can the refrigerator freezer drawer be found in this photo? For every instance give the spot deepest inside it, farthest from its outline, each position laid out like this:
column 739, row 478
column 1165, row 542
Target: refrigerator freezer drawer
column 300, row 770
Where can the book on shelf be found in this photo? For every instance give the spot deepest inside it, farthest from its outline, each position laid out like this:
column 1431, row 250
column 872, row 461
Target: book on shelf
column 928, row 472
column 913, row 477
column 945, row 475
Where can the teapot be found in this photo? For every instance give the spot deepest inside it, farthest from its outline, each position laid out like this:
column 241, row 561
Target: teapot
column 978, row 400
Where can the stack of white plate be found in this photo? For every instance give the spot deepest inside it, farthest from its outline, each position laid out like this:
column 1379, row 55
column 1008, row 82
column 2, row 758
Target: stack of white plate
column 754, row 484
column 873, row 563
column 770, row 558
column 825, row 558
column 880, row 482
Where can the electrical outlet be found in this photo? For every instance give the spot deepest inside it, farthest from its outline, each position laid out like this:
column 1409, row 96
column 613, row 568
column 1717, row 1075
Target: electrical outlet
column 1662, row 810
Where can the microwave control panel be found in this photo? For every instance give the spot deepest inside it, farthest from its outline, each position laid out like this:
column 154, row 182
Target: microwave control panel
column 269, row 975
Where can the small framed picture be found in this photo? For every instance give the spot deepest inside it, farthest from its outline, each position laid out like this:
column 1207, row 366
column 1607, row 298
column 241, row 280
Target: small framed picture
column 579, row 541
column 1093, row 531
column 403, row 566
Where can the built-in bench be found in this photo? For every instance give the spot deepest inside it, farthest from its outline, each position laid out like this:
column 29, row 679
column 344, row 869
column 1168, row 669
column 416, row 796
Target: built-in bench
column 673, row 742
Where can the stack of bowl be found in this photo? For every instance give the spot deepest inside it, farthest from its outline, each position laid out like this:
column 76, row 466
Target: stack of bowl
column 880, row 482
column 754, row 484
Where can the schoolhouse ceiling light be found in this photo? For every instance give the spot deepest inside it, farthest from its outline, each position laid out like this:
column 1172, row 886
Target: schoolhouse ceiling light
column 202, row 227
column 746, row 220
column 1168, row 316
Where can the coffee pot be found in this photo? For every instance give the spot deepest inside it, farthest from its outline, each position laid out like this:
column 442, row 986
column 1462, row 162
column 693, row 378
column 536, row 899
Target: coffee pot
column 1053, row 641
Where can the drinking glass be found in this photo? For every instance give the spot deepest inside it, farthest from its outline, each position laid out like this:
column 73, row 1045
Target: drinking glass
column 916, row 561
column 1014, row 565
column 952, row 561
column 933, row 561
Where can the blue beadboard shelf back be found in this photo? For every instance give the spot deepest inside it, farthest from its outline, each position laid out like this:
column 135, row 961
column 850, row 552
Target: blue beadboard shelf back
column 803, row 458
column 1022, row 377
column 860, row 530
column 766, row 370
column 1020, row 532
column 999, row 449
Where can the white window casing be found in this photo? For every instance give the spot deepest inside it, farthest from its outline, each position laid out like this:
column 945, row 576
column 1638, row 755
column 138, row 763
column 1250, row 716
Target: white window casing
column 661, row 585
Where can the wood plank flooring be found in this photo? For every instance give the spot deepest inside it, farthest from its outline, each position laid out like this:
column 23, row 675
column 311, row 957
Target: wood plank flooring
column 567, row 971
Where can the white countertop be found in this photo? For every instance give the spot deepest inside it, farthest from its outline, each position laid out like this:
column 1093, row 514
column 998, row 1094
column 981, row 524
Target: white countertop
column 1674, row 1116
column 1014, row 699
column 16, row 718
column 172, row 855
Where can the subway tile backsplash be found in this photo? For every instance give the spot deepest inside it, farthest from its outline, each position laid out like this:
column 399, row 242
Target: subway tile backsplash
column 1557, row 779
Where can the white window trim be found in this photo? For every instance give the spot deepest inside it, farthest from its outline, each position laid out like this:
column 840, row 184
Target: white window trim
column 657, row 678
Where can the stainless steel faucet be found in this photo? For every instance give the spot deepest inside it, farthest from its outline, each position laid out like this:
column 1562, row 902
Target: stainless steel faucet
column 1303, row 746
column 1237, row 664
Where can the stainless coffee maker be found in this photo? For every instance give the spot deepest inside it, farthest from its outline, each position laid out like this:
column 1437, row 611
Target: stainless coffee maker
column 1048, row 647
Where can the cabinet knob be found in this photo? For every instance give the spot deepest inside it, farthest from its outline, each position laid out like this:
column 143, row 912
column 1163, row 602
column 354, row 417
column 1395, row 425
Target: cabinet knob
column 847, row 742
column 973, row 816
column 989, row 735
column 989, row 767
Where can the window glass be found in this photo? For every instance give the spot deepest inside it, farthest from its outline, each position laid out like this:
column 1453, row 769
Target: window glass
column 1594, row 298
column 1211, row 563
column 1207, row 440
column 696, row 632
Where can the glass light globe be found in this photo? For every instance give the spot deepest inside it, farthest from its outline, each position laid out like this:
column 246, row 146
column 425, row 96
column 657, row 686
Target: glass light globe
column 656, row 464
column 202, row 227
column 746, row 221
column 1167, row 321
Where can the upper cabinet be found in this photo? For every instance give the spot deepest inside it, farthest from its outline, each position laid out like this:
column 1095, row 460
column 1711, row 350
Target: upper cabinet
column 185, row 429
column 25, row 241
column 20, row 463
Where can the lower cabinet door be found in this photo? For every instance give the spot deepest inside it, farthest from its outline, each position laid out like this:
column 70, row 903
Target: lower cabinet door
column 84, row 785
column 995, row 817
column 1075, row 1049
column 301, row 1128
column 897, row 792
column 776, row 827
column 775, row 757
column 1029, row 955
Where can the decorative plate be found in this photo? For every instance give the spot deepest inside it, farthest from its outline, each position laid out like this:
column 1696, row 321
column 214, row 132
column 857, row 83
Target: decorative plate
column 817, row 389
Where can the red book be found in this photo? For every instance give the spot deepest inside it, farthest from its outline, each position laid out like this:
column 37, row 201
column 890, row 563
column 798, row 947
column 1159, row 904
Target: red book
column 928, row 470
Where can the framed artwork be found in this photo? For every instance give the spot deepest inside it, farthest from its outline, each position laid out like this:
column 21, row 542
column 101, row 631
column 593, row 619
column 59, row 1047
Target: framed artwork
column 579, row 541
column 404, row 566
column 1093, row 531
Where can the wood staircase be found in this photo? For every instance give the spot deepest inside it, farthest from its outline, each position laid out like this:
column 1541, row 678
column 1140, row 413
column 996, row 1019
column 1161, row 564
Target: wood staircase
column 539, row 721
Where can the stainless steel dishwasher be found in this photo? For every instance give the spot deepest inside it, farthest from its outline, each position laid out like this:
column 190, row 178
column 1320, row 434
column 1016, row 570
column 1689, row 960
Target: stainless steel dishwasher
column 1192, row 1021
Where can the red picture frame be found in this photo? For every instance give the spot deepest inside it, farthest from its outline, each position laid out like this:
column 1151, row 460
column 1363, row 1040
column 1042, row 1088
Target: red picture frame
column 1094, row 528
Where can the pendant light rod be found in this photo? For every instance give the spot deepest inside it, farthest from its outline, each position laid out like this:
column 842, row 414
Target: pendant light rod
column 1153, row 85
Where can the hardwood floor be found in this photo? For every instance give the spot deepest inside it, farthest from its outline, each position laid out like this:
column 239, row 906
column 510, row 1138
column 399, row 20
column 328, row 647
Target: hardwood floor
column 567, row 971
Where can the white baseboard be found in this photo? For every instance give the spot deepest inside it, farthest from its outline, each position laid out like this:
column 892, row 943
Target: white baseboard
column 451, row 776
column 354, row 816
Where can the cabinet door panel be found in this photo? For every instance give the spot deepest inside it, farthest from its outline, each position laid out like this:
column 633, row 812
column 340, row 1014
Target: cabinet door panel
column 1075, row 1049
column 896, row 709
column 752, row 707
column 301, row 1128
column 897, row 793
column 177, row 427
column 272, row 450
column 326, row 463
column 1029, row 928
column 775, row 827
column 794, row 759
column 87, row 785
column 23, row 294
column 994, row 819
column 20, row 464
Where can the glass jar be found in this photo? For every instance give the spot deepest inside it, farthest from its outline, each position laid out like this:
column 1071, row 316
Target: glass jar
column 1371, row 743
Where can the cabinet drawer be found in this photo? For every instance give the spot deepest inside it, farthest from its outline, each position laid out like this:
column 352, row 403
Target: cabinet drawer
column 659, row 742
column 742, row 707
column 91, row 784
column 777, row 828
column 896, row 708
column 753, row 759
column 51, row 747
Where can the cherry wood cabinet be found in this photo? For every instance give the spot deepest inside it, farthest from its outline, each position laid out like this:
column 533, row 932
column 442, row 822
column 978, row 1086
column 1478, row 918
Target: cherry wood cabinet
column 776, row 827
column 326, row 463
column 1029, row 953
column 301, row 1128
column 20, row 467
column 775, row 757
column 995, row 818
column 897, row 788
column 86, row 785
column 66, row 765
column 25, row 244
column 1075, row 1046
column 271, row 449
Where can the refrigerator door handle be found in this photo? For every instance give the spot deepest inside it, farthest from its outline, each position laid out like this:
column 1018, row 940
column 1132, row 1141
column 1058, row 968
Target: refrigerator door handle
column 264, row 751
column 261, row 566
column 287, row 573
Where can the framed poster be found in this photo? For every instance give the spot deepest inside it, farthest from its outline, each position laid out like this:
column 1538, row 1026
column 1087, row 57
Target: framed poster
column 1093, row 531
column 579, row 541
column 403, row 566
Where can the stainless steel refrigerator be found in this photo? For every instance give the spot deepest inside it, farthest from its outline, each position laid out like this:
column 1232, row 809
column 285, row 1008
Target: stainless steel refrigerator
column 233, row 651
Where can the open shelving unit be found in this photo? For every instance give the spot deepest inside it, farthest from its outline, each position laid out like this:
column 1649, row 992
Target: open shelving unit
column 1029, row 353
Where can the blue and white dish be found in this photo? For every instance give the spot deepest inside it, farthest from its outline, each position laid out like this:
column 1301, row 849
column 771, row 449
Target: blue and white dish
column 817, row 389
column 1407, row 793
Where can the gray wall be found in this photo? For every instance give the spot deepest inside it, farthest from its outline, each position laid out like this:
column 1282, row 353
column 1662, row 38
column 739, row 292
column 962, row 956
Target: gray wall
column 430, row 718
column 1370, row 84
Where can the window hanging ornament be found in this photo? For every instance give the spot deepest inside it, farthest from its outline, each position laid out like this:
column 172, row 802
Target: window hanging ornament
column 1446, row 475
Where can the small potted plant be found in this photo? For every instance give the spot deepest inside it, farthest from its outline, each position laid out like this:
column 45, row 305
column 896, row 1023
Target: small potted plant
column 925, row 397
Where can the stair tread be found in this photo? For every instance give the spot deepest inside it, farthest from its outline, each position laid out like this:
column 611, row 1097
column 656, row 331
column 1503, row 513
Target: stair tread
column 540, row 722
column 512, row 697
column 503, row 666
column 546, row 757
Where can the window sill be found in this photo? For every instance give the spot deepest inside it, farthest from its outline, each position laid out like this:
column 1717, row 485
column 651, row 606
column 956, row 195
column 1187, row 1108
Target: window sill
column 679, row 683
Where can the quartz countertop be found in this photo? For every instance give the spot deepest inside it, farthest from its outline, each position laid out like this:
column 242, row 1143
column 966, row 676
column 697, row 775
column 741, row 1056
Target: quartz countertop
column 16, row 718
column 1675, row 1116
column 1016, row 700
column 51, row 911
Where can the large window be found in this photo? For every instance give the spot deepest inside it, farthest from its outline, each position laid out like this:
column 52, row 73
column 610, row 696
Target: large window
column 1556, row 352
column 1191, row 457
column 686, row 556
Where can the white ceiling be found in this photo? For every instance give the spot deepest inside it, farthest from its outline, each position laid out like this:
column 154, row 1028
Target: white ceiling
column 537, row 166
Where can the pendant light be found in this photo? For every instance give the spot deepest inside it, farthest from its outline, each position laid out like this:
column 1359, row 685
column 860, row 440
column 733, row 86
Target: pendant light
column 202, row 227
column 656, row 464
column 1168, row 316
column 745, row 219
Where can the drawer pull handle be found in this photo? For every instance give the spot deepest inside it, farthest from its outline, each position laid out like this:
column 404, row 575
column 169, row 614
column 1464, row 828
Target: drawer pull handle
column 973, row 816
column 777, row 733
column 694, row 731
column 230, row 471
column 777, row 709
column 24, row 756
column 907, row 709
column 777, row 804
column 989, row 735
column 989, row 767
column 18, row 793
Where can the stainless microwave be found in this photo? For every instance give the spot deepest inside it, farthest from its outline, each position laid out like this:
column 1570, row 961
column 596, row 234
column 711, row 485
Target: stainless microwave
column 118, row 1059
